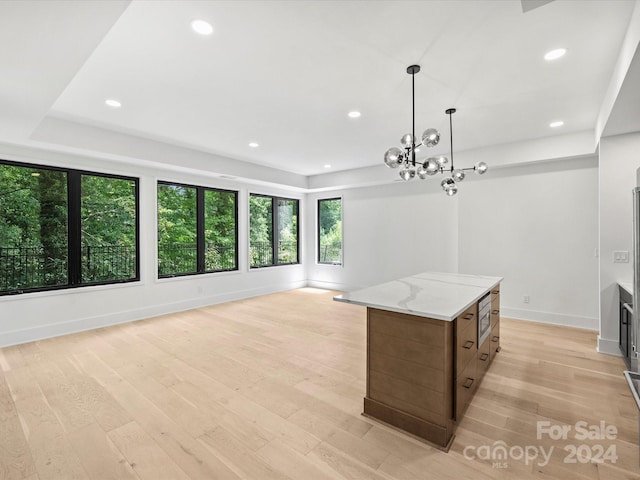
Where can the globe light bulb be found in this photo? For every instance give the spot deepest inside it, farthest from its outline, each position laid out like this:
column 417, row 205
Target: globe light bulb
column 441, row 160
column 447, row 183
column 481, row 168
column 451, row 191
column 458, row 175
column 393, row 157
column 430, row 137
column 422, row 171
column 407, row 173
column 407, row 140
column 432, row 166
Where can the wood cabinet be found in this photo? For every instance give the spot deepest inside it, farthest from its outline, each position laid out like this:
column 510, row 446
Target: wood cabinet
column 422, row 373
column 466, row 360
column 494, row 337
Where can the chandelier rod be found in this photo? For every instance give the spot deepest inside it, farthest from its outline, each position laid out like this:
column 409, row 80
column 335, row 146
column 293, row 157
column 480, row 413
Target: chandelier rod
column 413, row 117
column 450, row 112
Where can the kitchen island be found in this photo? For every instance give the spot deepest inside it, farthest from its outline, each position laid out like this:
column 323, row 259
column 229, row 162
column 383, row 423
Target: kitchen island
column 424, row 358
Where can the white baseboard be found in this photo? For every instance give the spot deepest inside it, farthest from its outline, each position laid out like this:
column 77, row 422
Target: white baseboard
column 608, row 346
column 16, row 337
column 589, row 323
column 341, row 287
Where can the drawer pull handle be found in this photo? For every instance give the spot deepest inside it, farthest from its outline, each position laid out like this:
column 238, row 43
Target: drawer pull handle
column 468, row 382
column 495, row 338
column 484, row 357
column 468, row 316
column 468, row 344
column 495, row 292
column 495, row 312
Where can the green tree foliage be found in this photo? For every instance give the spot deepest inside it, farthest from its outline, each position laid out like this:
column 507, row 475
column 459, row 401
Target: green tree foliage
column 330, row 223
column 52, row 196
column 178, row 230
column 220, row 230
column 34, row 223
column 287, row 231
column 108, row 211
column 108, row 226
column 260, row 230
column 19, row 207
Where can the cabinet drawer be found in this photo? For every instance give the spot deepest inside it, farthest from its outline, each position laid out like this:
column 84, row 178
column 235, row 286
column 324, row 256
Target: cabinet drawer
column 466, row 386
column 466, row 346
column 466, row 319
column 484, row 357
column 495, row 291
column 495, row 310
column 494, row 340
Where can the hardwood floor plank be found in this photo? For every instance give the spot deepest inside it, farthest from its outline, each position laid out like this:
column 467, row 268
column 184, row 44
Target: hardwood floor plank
column 100, row 458
column 226, row 444
column 183, row 448
column 16, row 461
column 284, row 459
column 144, row 455
column 53, row 455
column 345, row 465
column 271, row 387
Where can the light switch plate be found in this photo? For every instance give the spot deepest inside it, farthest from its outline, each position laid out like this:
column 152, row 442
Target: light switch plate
column 621, row 256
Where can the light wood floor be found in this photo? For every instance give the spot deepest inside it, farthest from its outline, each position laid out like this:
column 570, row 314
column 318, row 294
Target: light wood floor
column 272, row 387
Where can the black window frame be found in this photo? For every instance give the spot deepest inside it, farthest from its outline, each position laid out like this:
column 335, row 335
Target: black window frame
column 74, row 228
column 275, row 240
column 318, row 246
column 200, row 230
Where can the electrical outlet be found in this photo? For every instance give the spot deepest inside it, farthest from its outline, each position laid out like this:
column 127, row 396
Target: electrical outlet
column 525, row 299
column 621, row 256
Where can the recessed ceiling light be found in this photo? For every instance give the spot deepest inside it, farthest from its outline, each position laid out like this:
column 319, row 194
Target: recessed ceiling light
column 113, row 103
column 556, row 124
column 354, row 114
column 254, row 145
column 327, row 166
column 202, row 27
column 555, row 54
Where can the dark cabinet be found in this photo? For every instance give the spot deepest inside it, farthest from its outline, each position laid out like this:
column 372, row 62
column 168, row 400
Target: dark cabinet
column 626, row 311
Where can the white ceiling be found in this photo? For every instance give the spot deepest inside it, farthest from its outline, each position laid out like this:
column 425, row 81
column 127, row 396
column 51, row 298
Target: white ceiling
column 285, row 73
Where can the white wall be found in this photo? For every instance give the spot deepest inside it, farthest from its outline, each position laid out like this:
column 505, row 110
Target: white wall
column 536, row 226
column 619, row 160
column 390, row 231
column 33, row 316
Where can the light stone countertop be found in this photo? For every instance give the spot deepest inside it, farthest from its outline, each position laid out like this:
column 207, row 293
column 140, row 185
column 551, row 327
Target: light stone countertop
column 628, row 286
column 442, row 296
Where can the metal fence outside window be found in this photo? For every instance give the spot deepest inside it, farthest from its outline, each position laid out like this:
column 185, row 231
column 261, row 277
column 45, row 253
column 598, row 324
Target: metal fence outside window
column 33, row 267
column 330, row 253
column 179, row 258
column 261, row 253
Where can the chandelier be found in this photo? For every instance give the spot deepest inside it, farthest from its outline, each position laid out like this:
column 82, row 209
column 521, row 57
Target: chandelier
column 406, row 156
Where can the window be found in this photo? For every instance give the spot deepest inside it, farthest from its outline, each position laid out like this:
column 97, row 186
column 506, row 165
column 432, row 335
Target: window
column 330, row 231
column 65, row 228
column 197, row 230
column 108, row 228
column 273, row 231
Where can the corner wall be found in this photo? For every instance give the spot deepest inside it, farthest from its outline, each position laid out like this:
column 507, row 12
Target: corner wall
column 389, row 231
column 619, row 160
column 38, row 315
column 535, row 225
